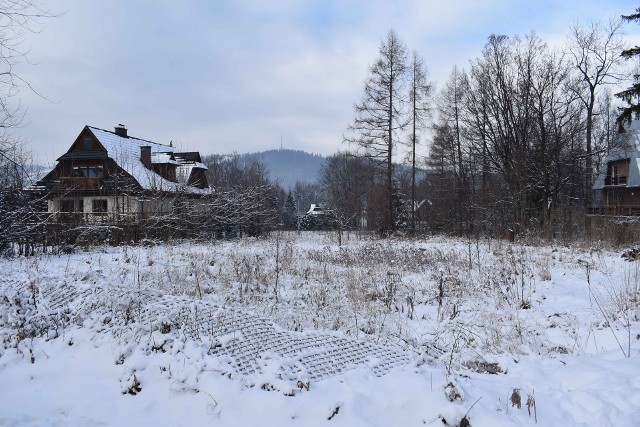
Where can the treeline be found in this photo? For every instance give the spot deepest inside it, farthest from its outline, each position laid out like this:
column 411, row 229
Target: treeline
column 514, row 140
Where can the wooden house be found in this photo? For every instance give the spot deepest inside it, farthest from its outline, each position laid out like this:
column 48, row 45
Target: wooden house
column 617, row 185
column 110, row 175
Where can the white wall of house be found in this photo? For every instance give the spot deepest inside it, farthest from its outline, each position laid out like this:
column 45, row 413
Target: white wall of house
column 99, row 205
column 117, row 206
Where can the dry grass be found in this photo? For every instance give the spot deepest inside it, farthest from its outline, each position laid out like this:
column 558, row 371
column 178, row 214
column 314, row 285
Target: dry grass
column 448, row 300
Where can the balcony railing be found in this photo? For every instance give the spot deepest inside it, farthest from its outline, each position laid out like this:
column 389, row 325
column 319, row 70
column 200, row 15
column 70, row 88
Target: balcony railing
column 615, row 210
column 80, row 183
column 96, row 217
column 616, row 180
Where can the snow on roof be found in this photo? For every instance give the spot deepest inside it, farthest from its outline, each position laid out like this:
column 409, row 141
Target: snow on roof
column 200, row 165
column 162, row 158
column 187, row 162
column 628, row 148
column 125, row 151
column 183, row 171
column 315, row 210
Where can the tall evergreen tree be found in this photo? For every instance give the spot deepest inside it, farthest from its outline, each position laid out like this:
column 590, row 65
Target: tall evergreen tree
column 631, row 95
column 289, row 212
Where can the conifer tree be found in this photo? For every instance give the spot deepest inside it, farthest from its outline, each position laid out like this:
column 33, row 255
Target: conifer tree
column 289, row 212
column 631, row 95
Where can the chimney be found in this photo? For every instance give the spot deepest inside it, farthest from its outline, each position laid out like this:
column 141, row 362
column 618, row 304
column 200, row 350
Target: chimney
column 145, row 156
column 121, row 130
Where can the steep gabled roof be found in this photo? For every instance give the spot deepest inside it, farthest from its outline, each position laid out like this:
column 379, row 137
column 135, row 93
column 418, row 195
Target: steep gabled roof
column 125, row 151
column 628, row 147
column 163, row 158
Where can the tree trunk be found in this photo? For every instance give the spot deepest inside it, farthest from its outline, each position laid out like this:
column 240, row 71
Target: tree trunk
column 389, row 159
column 589, row 161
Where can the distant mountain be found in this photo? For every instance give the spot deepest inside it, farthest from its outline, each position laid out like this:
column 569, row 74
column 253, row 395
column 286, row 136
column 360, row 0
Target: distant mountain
column 290, row 166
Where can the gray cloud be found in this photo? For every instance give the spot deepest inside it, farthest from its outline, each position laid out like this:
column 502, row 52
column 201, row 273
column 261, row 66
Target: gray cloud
column 229, row 76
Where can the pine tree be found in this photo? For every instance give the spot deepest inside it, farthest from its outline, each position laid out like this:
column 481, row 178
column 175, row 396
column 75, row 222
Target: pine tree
column 289, row 212
column 632, row 95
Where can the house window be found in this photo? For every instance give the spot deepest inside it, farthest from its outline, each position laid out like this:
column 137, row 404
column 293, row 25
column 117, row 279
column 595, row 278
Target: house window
column 88, row 144
column 87, row 172
column 67, row 205
column 80, row 206
column 99, row 206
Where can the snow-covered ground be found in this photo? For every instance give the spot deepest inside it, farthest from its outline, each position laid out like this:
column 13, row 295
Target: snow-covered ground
column 297, row 330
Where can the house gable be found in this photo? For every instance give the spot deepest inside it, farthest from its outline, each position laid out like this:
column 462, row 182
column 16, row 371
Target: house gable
column 85, row 147
column 621, row 168
column 97, row 157
column 617, row 185
column 86, row 141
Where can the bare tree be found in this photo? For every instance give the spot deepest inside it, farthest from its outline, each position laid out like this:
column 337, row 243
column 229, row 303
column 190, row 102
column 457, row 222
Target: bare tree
column 419, row 97
column 556, row 126
column 499, row 115
column 595, row 50
column 508, row 134
column 16, row 18
column 346, row 185
column 245, row 200
column 380, row 114
column 450, row 108
column 444, row 209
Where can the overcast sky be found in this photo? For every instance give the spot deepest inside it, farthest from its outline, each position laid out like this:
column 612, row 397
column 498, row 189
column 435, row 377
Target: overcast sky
column 224, row 76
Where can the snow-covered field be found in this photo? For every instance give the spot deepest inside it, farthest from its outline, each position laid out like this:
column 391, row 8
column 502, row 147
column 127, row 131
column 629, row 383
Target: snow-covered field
column 297, row 330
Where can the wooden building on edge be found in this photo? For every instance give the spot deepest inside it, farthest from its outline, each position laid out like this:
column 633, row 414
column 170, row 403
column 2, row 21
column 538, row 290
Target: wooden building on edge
column 113, row 176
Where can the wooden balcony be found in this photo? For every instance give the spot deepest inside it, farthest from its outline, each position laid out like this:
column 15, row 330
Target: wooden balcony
column 76, row 218
column 617, row 210
column 81, row 183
